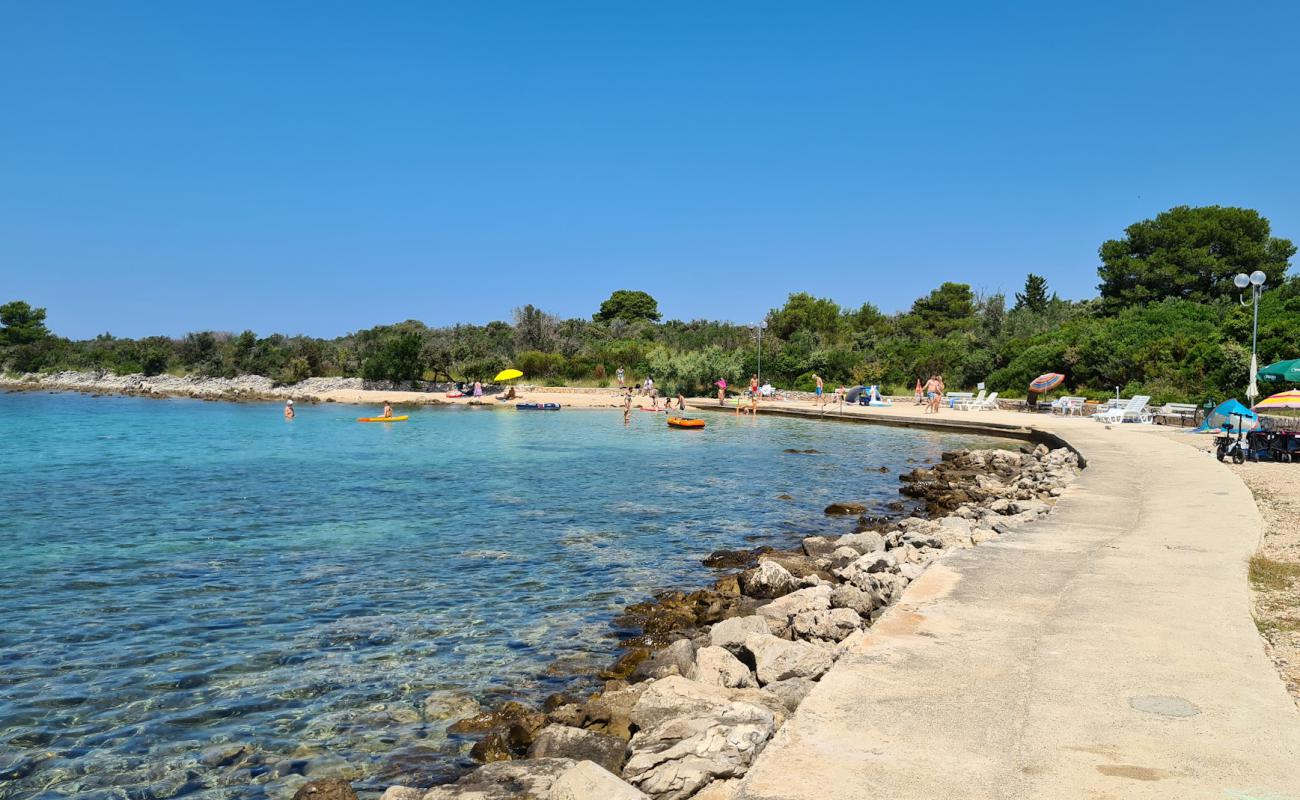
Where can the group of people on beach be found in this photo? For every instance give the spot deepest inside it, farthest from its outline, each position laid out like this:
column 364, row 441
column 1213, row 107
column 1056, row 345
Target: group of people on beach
column 931, row 394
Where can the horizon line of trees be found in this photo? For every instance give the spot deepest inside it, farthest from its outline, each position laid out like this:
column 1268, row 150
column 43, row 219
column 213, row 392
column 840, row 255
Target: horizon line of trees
column 1167, row 322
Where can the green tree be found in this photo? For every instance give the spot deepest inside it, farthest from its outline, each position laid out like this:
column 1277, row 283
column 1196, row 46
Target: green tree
column 629, row 306
column 22, row 324
column 803, row 312
column 1190, row 254
column 399, row 358
column 1034, row 297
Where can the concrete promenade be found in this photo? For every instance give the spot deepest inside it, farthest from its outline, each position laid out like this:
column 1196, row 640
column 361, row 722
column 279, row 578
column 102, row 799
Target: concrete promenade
column 1105, row 652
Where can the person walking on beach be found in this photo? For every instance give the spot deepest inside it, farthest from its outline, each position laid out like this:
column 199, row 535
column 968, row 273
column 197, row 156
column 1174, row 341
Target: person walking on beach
column 722, row 392
column 818, row 389
column 938, row 395
column 288, row 409
column 478, row 388
column 932, row 395
column 620, row 374
column 919, row 392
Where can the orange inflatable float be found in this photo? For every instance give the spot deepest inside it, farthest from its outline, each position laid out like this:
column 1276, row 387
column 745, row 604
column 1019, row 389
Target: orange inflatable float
column 683, row 422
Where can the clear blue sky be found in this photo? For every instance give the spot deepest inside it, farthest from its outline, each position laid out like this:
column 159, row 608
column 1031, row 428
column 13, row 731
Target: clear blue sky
column 318, row 167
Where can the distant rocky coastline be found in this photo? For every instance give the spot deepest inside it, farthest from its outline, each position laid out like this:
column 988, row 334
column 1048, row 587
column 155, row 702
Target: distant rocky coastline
column 243, row 387
column 713, row 674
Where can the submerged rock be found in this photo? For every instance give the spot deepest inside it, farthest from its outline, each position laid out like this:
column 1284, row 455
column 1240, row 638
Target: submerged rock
column 845, row 509
column 506, row 780
column 327, row 789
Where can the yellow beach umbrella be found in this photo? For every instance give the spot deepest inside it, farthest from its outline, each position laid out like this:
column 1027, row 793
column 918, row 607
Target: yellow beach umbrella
column 1280, row 400
column 507, row 375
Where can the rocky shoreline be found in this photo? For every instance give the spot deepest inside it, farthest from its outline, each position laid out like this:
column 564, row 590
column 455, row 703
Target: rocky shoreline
column 712, row 674
column 242, row 388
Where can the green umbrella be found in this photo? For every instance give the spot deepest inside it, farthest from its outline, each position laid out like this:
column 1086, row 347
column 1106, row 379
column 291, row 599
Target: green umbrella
column 1282, row 371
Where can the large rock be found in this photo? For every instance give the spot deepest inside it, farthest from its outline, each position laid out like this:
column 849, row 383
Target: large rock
column 611, row 712
column 588, row 781
column 327, row 789
column 678, row 697
column 841, row 557
column 791, row 691
column 777, row 659
column 561, row 741
column 768, row 579
column 780, row 612
column 731, row 633
column 851, row 597
column 403, row 793
column 506, row 780
column 716, row 666
column 678, row 756
column 677, row 658
column 720, row 790
column 833, row 624
column 866, row 542
column 818, row 546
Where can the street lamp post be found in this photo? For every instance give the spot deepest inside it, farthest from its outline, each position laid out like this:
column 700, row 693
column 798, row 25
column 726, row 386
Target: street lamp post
column 1255, row 281
column 759, row 327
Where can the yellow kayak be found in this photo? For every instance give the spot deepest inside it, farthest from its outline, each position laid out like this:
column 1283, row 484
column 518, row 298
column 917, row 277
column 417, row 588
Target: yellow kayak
column 402, row 418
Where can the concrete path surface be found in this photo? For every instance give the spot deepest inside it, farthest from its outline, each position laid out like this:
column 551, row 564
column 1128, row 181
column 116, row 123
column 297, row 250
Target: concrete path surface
column 1105, row 652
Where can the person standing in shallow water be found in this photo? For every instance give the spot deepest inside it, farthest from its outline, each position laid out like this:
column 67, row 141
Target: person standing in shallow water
column 288, row 410
column 627, row 404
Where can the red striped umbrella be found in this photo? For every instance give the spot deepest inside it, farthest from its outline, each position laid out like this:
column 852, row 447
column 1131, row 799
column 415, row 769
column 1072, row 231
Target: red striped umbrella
column 1046, row 383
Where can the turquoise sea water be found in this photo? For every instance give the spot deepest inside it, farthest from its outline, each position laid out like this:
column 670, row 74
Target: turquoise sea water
column 180, row 575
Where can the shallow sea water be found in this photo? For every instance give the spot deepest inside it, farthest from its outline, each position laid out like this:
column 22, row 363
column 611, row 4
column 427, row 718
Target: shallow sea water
column 184, row 577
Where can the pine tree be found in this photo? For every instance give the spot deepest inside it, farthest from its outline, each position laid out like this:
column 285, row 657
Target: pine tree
column 1035, row 296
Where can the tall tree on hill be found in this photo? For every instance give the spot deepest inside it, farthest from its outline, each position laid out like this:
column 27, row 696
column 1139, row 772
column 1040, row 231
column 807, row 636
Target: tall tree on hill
column 1191, row 254
column 1034, row 297
column 21, row 324
column 629, row 306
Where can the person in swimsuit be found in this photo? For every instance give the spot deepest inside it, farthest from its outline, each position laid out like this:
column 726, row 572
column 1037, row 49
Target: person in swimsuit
column 620, row 374
column 288, row 409
column 627, row 404
column 722, row 391
column 753, row 394
column 820, row 385
column 478, row 388
column 388, row 410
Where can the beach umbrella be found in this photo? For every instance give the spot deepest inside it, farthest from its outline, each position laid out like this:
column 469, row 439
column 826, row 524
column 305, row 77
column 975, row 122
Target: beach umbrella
column 507, row 375
column 1280, row 400
column 1046, row 382
column 1282, row 371
column 1252, row 390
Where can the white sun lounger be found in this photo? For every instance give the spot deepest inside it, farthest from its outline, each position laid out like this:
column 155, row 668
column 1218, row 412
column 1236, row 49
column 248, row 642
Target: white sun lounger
column 1135, row 410
column 966, row 404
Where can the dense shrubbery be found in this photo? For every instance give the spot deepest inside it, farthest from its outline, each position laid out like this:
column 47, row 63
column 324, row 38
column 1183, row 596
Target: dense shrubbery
column 1189, row 342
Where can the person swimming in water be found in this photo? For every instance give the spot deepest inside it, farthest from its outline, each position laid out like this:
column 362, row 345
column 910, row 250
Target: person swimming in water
column 288, row 410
